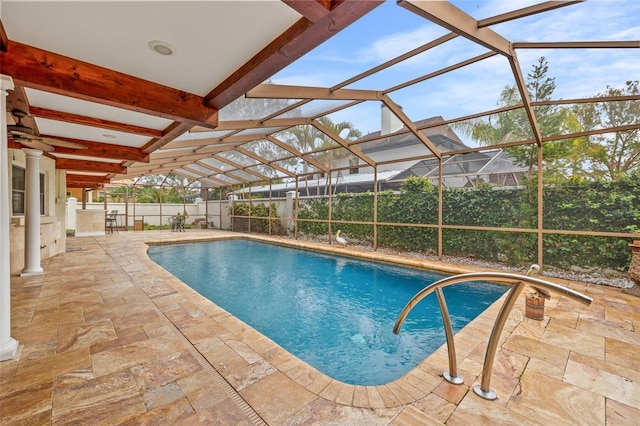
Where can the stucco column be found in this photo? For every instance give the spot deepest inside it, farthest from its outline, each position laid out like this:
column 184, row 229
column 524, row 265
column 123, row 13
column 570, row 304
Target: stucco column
column 8, row 345
column 32, row 214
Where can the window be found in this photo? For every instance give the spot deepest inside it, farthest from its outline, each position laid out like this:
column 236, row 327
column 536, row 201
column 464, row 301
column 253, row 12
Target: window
column 18, row 184
column 353, row 163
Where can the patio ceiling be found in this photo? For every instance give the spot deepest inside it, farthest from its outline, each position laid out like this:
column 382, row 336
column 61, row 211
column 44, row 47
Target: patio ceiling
column 86, row 74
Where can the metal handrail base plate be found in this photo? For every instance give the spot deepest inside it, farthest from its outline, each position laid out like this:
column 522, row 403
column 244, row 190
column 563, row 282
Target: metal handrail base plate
column 490, row 395
column 458, row 380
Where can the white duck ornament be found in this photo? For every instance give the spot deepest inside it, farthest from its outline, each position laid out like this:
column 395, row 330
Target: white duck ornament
column 340, row 239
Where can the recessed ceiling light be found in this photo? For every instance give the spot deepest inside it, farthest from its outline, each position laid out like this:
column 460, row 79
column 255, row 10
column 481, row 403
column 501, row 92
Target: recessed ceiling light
column 162, row 48
column 109, row 135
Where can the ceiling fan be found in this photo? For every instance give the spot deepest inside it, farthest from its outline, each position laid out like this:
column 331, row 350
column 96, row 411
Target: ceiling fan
column 26, row 136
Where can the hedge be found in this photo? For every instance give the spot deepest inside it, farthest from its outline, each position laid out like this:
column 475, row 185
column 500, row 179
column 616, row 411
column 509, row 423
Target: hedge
column 573, row 206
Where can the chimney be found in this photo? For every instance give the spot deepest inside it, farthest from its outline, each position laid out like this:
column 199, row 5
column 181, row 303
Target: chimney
column 389, row 122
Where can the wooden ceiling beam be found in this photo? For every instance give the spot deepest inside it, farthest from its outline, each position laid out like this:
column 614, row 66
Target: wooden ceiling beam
column 43, row 70
column 102, row 150
column 3, row 38
column 87, row 178
column 88, row 166
column 300, row 38
column 84, row 185
column 68, row 117
column 314, row 10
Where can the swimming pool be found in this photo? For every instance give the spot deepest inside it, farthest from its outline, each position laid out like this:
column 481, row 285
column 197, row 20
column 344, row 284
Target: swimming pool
column 335, row 313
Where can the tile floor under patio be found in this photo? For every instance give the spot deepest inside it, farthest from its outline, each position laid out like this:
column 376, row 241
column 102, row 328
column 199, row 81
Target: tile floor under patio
column 108, row 337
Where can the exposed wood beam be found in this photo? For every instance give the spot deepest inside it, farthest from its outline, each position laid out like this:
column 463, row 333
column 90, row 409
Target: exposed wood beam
column 94, row 122
column 170, row 133
column 635, row 44
column 4, row 40
column 102, row 150
column 313, row 10
column 450, row 17
column 88, row 166
column 51, row 72
column 87, row 178
column 83, row 185
column 280, row 91
column 300, row 38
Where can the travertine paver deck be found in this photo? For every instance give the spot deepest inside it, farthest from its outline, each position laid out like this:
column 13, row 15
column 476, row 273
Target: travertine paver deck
column 108, row 337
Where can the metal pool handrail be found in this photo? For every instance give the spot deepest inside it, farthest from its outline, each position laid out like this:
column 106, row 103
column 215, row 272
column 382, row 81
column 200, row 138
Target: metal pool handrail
column 517, row 282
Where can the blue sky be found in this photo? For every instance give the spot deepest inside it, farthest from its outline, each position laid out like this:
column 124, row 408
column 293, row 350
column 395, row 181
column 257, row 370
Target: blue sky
column 390, row 30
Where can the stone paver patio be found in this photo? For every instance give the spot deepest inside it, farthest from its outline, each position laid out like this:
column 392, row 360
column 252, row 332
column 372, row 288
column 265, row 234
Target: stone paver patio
column 108, row 337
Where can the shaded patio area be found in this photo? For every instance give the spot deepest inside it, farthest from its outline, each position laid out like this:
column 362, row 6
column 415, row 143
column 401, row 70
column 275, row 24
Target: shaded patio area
column 108, row 337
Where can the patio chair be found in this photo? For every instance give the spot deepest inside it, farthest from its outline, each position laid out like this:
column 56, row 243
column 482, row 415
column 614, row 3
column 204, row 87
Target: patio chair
column 177, row 223
column 111, row 221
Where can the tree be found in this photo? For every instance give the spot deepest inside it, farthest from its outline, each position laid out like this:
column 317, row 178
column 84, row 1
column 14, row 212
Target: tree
column 169, row 188
column 611, row 155
column 513, row 125
column 122, row 193
column 308, row 138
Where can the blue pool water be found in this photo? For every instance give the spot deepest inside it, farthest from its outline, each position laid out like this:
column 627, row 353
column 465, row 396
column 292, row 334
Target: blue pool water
column 336, row 313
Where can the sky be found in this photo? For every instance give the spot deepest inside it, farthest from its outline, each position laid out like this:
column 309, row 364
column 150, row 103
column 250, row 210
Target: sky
column 390, row 30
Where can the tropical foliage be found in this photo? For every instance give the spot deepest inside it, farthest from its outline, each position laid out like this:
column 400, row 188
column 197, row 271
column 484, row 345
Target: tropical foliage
column 412, row 214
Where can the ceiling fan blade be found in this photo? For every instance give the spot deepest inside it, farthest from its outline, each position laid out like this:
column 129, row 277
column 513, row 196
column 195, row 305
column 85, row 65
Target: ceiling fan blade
column 35, row 144
column 22, row 135
column 65, row 144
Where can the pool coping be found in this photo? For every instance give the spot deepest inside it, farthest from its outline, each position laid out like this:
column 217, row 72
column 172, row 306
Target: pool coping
column 250, row 343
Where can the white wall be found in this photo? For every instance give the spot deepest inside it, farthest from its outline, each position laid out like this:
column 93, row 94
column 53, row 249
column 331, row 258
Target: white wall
column 149, row 213
column 52, row 231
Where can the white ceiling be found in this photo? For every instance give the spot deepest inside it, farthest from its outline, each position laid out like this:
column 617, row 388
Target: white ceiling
column 212, row 38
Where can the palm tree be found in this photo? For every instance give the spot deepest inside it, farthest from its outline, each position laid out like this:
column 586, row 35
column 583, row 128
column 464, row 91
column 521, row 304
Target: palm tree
column 308, row 138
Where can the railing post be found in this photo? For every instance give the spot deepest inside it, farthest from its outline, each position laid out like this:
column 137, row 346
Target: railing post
column 450, row 376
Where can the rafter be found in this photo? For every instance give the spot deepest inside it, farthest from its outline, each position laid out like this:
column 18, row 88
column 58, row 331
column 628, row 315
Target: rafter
column 93, row 122
column 102, row 150
column 313, row 10
column 88, row 166
column 51, row 72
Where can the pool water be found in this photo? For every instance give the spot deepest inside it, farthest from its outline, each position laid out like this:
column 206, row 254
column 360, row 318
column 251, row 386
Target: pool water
column 335, row 313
